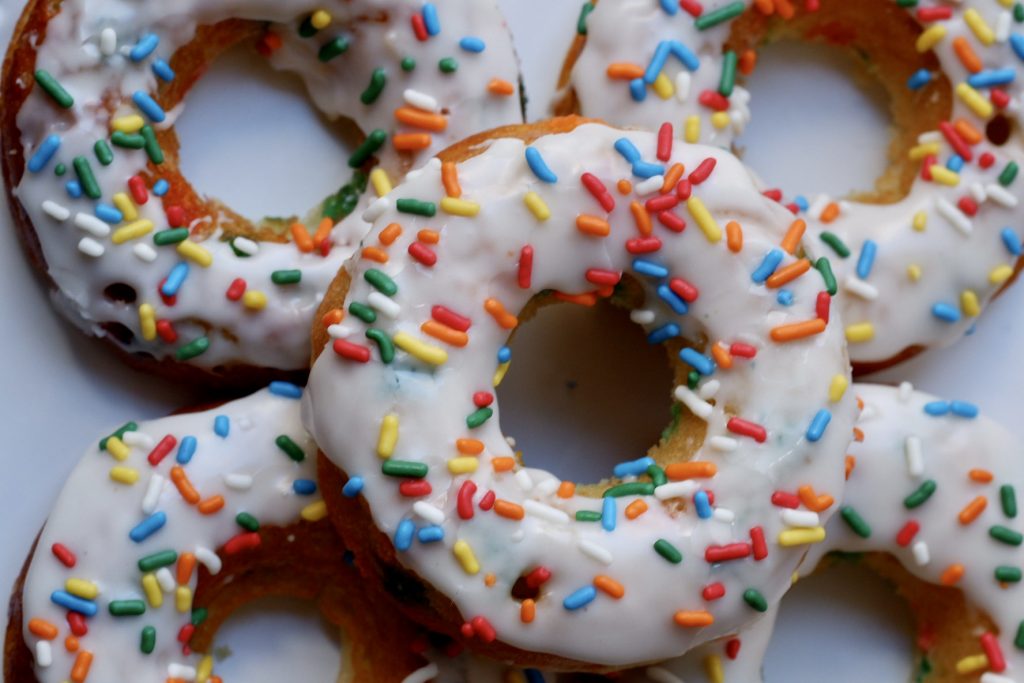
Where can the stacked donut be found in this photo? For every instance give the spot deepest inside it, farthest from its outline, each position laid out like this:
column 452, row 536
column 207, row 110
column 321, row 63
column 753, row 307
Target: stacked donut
column 386, row 490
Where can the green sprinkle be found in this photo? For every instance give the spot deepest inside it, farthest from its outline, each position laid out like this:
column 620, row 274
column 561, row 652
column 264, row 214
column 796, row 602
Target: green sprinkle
column 155, row 561
column 417, row 207
column 147, row 643
column 363, row 312
column 306, row 28
column 906, row 3
column 290, row 448
column 855, row 521
column 332, row 49
column 103, row 152
column 127, row 140
column 247, row 521
column 588, row 516
column 286, row 277
column 633, row 488
column 199, row 615
column 404, row 468
column 408, row 64
column 194, row 348
column 1009, row 174
column 86, row 177
column 378, row 80
column 54, row 89
column 581, row 23
column 753, row 597
column 153, row 151
column 1018, row 12
column 1006, row 574
column 60, row 169
column 374, row 141
column 381, row 282
column 824, row 266
column 692, row 379
column 1005, row 535
column 711, row 19
column 668, row 551
column 1008, row 497
column 170, row 236
column 838, row 246
column 657, row 475
column 119, row 433
column 918, row 497
column 127, row 608
column 478, row 417
column 384, row 344
column 238, row 252
column 728, row 80
column 448, row 65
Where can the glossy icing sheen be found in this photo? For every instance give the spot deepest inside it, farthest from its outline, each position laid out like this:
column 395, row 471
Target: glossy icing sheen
column 427, row 395
column 942, row 251
column 94, row 515
column 277, row 335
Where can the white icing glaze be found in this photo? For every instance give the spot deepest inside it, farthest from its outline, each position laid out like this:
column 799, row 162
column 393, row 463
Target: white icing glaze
column 955, row 260
column 277, row 335
column 94, row 514
column 477, row 259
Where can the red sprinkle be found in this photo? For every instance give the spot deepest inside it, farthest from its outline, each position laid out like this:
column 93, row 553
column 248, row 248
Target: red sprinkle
column 482, row 399
column 643, row 245
column 137, row 186
column 525, row 266
column 422, row 253
column 999, row 97
column 713, row 591
column 671, row 221
column 175, row 216
column 168, row 300
column 450, row 318
column 774, row 195
column 926, row 167
column 414, row 488
column 236, row 289
column 243, row 541
column 347, row 349
column 77, row 624
column 661, row 203
column 185, row 633
column 737, row 425
column 934, row 13
column 684, row 189
column 725, row 553
column 63, row 554
column 986, row 160
column 483, row 629
column 160, row 451
column 742, row 350
column 968, row 206
column 691, row 7
column 600, row 276
column 784, row 499
column 664, row 142
column 907, row 533
column 464, row 500
column 955, row 141
column 702, row 172
column 732, row 648
column 713, row 100
column 822, row 305
column 598, row 190
column 758, row 543
column 419, row 28
column 487, row 502
column 538, row 577
column 996, row 661
column 683, row 289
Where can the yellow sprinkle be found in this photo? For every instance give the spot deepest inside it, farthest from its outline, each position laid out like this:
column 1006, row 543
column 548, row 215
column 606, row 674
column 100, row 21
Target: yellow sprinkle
column 380, row 181
column 126, row 206
column 314, row 512
column 205, row 669
column 1000, row 274
column 792, row 537
column 464, row 554
column 982, row 31
column 720, row 119
column 124, row 475
column 320, row 19
column 195, row 252
column 713, row 668
column 793, row 578
column 837, row 389
column 147, row 321
column 921, row 151
column 132, row 231
column 691, row 129
column 929, row 38
column 975, row 100
column 944, row 176
column 132, row 123
column 82, row 588
column 704, row 220
column 183, row 599
column 663, row 87
column 499, row 374
column 151, row 587
column 969, row 303
column 537, row 206
column 254, row 299
column 914, row 272
column 388, row 436
column 428, row 353
column 117, row 448
column 459, row 207
column 920, row 221
column 1007, row 3
column 463, row 465
column 971, row 664
column 860, row 332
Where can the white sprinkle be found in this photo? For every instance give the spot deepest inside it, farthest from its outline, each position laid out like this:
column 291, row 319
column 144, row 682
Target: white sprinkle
column 989, row 677
column 429, row 512
column 427, row 673
column 137, row 439
column 595, row 552
column 376, row 209
column 915, row 458
column 153, row 489
column 660, row 675
column 244, row 423
column 641, row 316
column 144, row 252
column 547, row 487
column 92, row 225
column 921, row 555
column 1003, row 27
column 725, row 444
column 954, row 215
column 929, row 137
column 511, row 441
column 804, row 519
column 724, row 515
column 818, row 205
column 683, row 81
column 208, row 559
column 709, row 389
column 56, row 211
column 905, row 391
column 340, row 331
column 695, row 403
column 44, row 654
column 867, row 414
column 1001, row 196
column 246, row 246
column 545, row 512
column 384, row 304
column 649, row 185
column 854, row 285
column 108, row 41
column 238, row 481
column 676, row 489
column 977, row 192
column 420, row 100
column 524, row 480
column 165, row 579
column 175, row 670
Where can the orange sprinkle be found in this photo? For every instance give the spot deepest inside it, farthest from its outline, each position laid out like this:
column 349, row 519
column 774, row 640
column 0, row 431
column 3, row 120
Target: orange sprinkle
column 721, row 355
column 444, row 333
column 504, row 319
column 695, row 618
column 800, row 330
column 748, row 62
column 489, row 579
column 469, row 446
column 323, row 231
column 332, row 317
column 566, row 489
column 42, row 629
column 375, row 254
column 585, row 299
column 80, row 670
column 829, row 213
column 973, row 509
column 693, row 469
column 450, row 179
column 428, row 236
column 967, row 131
column 785, row 9
column 814, row 502
column 71, row 644
column 186, row 565
column 624, row 186
column 734, row 236
column 503, row 464
column 269, row 43
column 609, row 586
column 593, row 225
column 625, row 70
column 788, row 273
column 211, row 505
column 858, row 434
column 410, row 142
column 508, row 509
column 672, row 176
column 499, row 86
column 303, row 240
column 980, row 476
column 765, row 7
column 793, row 236
column 527, row 611
column 184, row 486
column 952, row 574
column 851, row 464
column 390, row 234
column 641, row 218
column 417, row 118
column 636, row 508
column 966, row 54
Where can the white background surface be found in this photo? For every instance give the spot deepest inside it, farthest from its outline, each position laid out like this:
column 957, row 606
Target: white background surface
column 61, row 390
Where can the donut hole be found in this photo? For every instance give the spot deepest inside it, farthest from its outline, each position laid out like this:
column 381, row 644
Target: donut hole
column 118, row 331
column 999, row 130
column 120, row 292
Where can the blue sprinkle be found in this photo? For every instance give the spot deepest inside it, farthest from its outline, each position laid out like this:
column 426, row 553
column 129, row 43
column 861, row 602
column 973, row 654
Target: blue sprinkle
column 638, row 90
column 430, row 534
column 632, row 468
column 160, row 187
column 937, row 408
column 946, row 313
column 674, row 301
column 684, row 55
column 533, row 675
column 404, row 534
column 955, row 163
column 285, row 389
column 670, row 7
column 304, row 487
column 768, row 265
column 818, row 424
column 221, row 426
column 108, row 214
column 504, row 354
column 990, row 78
column 580, row 598
column 148, row 527
column 697, row 360
column 644, row 169
column 472, row 44
column 663, row 333
column 801, row 202
column 649, row 268
column 784, row 297
column 657, row 63
column 628, row 150
column 921, row 78
column 971, row 330
column 175, row 279
column 1011, row 241
column 73, row 603
column 866, row 260
column 352, row 487
column 186, row 450
column 148, row 106
column 608, row 514
column 430, row 20
column 163, row 70
column 73, row 188
column 963, row 409
column 43, row 155
column 703, row 505
column 1017, row 43
column 539, row 168
column 144, row 47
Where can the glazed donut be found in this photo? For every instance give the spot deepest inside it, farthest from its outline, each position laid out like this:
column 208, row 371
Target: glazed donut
column 132, row 252
column 514, row 559
column 919, row 258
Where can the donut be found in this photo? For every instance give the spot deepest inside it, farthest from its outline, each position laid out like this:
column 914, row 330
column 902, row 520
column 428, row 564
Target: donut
column 402, row 404
column 178, row 282
column 918, row 258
